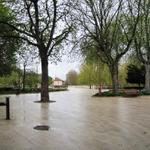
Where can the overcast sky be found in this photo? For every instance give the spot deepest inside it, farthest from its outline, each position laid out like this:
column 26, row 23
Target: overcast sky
column 62, row 68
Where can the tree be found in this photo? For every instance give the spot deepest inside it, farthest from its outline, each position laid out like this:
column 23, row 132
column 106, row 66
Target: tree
column 11, row 80
column 123, row 75
column 135, row 75
column 88, row 71
column 26, row 56
column 142, row 40
column 32, row 79
column 108, row 26
column 41, row 24
column 8, row 46
column 93, row 74
column 72, row 77
column 93, row 69
column 87, row 75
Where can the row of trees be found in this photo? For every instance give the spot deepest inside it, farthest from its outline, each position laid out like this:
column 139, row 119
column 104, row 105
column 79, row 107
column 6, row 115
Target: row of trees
column 16, row 80
column 94, row 74
column 130, row 75
column 104, row 31
column 111, row 30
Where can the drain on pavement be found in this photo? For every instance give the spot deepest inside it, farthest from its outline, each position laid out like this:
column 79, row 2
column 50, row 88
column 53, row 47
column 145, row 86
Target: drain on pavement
column 42, row 127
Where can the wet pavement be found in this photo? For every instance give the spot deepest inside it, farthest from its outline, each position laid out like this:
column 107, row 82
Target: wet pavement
column 77, row 122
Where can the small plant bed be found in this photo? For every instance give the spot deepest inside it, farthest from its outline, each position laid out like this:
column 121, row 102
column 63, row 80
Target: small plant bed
column 108, row 94
column 50, row 101
column 143, row 93
column 124, row 93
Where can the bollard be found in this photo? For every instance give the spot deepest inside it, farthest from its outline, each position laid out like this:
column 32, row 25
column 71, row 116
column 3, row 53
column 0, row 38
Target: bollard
column 7, row 109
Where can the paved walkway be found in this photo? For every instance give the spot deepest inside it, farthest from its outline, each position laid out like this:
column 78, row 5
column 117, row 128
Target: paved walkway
column 78, row 122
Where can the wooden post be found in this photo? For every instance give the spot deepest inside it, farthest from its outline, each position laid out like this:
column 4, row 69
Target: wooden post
column 7, row 109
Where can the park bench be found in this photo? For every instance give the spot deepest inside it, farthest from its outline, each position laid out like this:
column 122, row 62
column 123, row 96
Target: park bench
column 131, row 93
column 6, row 104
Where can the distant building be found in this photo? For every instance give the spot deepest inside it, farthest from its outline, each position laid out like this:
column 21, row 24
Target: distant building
column 58, row 82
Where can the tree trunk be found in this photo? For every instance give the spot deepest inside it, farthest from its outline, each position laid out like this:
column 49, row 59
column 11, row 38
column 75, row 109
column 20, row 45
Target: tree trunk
column 139, row 85
column 24, row 77
column 147, row 78
column 90, row 84
column 44, row 82
column 114, row 76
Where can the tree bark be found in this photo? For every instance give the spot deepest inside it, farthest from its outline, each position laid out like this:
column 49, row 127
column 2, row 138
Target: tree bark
column 114, row 76
column 147, row 78
column 44, row 82
column 24, row 76
column 90, row 84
